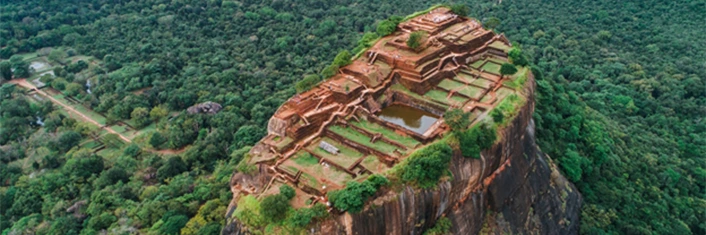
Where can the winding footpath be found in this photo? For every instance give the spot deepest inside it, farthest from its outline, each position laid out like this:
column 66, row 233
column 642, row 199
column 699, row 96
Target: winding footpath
column 31, row 87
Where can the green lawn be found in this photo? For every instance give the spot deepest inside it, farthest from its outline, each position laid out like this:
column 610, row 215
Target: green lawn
column 284, row 142
column 305, row 159
column 363, row 139
column 482, row 83
column 503, row 92
column 464, row 77
column 449, row 84
column 492, row 67
column 497, row 60
column 476, row 64
column 388, row 133
column 437, row 95
column 319, row 171
column 500, row 45
column 373, row 164
column 471, row 91
column 346, row 156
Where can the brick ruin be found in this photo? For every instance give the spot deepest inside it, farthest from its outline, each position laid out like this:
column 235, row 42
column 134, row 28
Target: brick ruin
column 322, row 138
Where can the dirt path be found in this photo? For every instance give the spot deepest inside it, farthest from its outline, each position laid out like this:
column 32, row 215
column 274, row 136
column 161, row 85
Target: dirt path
column 25, row 84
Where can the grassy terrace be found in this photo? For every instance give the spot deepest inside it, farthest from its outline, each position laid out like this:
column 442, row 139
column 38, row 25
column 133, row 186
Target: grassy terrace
column 492, row 67
column 440, row 96
column 482, row 83
column 362, row 139
column 477, row 64
column 346, row 157
column 463, row 77
column 373, row 164
column 471, row 91
column 282, row 142
column 500, row 45
column 388, row 133
column 309, row 165
column 449, row 84
column 504, row 92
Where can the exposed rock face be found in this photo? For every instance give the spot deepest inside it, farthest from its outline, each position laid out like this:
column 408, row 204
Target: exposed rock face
column 206, row 107
column 514, row 188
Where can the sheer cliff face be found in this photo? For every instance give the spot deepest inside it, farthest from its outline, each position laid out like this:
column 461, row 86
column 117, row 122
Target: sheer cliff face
column 514, row 188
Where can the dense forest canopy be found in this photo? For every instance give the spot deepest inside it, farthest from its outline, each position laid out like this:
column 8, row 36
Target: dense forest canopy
column 620, row 107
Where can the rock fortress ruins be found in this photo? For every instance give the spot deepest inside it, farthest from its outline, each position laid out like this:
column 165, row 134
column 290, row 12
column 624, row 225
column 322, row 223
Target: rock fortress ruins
column 382, row 107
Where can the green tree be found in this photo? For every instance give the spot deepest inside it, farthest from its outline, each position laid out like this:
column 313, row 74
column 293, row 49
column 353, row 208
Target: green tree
column 386, row 27
column 460, row 9
column 457, row 120
column 287, row 191
column 307, row 83
column 517, row 57
column 68, row 140
column 507, row 69
column 415, row 39
column 343, row 58
column 157, row 140
column 158, row 112
column 426, row 166
column 172, row 167
column 6, row 70
column 274, row 207
column 20, row 66
column 57, row 55
column 492, row 22
column 140, row 117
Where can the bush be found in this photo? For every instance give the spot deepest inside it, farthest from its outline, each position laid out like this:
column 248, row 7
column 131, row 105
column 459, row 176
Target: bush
column 302, row 217
column 353, row 197
column 460, row 9
column 517, row 57
column 457, row 120
column 343, row 58
column 415, row 39
column 287, row 191
column 273, row 208
column 473, row 141
column 386, row 27
column 307, row 83
column 442, row 226
column 425, row 166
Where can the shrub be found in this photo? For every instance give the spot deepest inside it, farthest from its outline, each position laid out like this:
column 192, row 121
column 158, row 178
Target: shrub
column 343, row 58
column 517, row 57
column 460, row 9
column 457, row 119
column 307, row 83
column 302, row 217
column 425, row 166
column 442, row 226
column 287, row 191
column 386, row 27
column 353, row 197
column 473, row 141
column 273, row 208
column 507, row 69
column 415, row 39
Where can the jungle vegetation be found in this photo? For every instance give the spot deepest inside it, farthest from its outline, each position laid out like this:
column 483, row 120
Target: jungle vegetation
column 620, row 106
